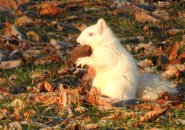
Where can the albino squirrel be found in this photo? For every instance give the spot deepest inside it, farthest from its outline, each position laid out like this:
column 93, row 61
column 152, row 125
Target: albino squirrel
column 116, row 70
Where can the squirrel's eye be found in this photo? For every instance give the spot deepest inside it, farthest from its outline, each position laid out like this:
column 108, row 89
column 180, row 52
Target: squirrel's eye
column 90, row 34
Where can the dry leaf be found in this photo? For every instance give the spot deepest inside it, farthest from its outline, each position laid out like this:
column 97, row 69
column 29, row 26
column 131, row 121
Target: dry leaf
column 91, row 126
column 172, row 54
column 2, row 81
column 173, row 31
column 10, row 64
column 11, row 31
column 46, row 98
column 182, row 56
column 142, row 16
column 94, row 98
column 145, row 63
column 80, row 27
column 153, row 114
column 45, row 86
column 34, row 36
column 149, row 106
column 63, row 70
column 8, row 4
column 148, row 47
column 24, row 20
column 38, row 74
column 162, row 14
column 172, row 70
column 29, row 113
column 50, row 10
column 11, row 4
column 163, row 4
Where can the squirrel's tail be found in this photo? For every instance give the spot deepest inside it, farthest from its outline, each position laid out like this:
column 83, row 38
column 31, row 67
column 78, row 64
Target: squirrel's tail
column 151, row 85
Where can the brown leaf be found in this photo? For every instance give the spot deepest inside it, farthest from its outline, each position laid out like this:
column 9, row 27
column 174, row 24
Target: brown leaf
column 80, row 27
column 172, row 70
column 63, row 70
column 45, row 86
column 142, row 16
column 24, row 20
column 148, row 47
column 50, row 10
column 91, row 126
column 182, row 56
column 2, row 81
column 10, row 64
column 94, row 98
column 162, row 14
column 145, row 63
column 11, row 4
column 33, row 36
column 8, row 4
column 3, row 90
column 153, row 114
column 149, row 106
column 172, row 54
column 29, row 113
column 46, row 98
column 11, row 31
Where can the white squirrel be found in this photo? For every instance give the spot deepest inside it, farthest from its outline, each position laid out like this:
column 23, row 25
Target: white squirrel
column 116, row 70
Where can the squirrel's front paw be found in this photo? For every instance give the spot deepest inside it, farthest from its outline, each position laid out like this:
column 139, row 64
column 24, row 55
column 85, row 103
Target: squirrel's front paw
column 81, row 61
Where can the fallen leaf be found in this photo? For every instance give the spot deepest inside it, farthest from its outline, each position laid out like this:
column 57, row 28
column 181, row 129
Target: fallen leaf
column 162, row 14
column 172, row 70
column 2, row 81
column 24, row 20
column 3, row 90
column 148, row 47
column 50, row 10
column 148, row 106
column 173, row 31
column 182, row 56
column 63, row 70
column 11, row 4
column 163, row 4
column 29, row 113
column 80, row 27
column 12, row 31
column 91, row 126
column 94, row 98
column 142, row 16
column 34, row 36
column 45, row 86
column 8, row 4
column 172, row 54
column 10, row 64
column 145, row 63
column 153, row 114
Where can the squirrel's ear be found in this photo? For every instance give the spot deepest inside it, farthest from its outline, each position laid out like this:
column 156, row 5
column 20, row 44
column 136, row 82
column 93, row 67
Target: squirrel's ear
column 102, row 25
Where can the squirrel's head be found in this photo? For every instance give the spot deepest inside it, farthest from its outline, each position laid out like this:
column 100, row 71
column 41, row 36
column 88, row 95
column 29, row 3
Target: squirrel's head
column 94, row 34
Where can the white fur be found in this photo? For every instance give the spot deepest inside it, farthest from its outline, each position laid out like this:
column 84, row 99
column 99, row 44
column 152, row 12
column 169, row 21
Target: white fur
column 116, row 70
